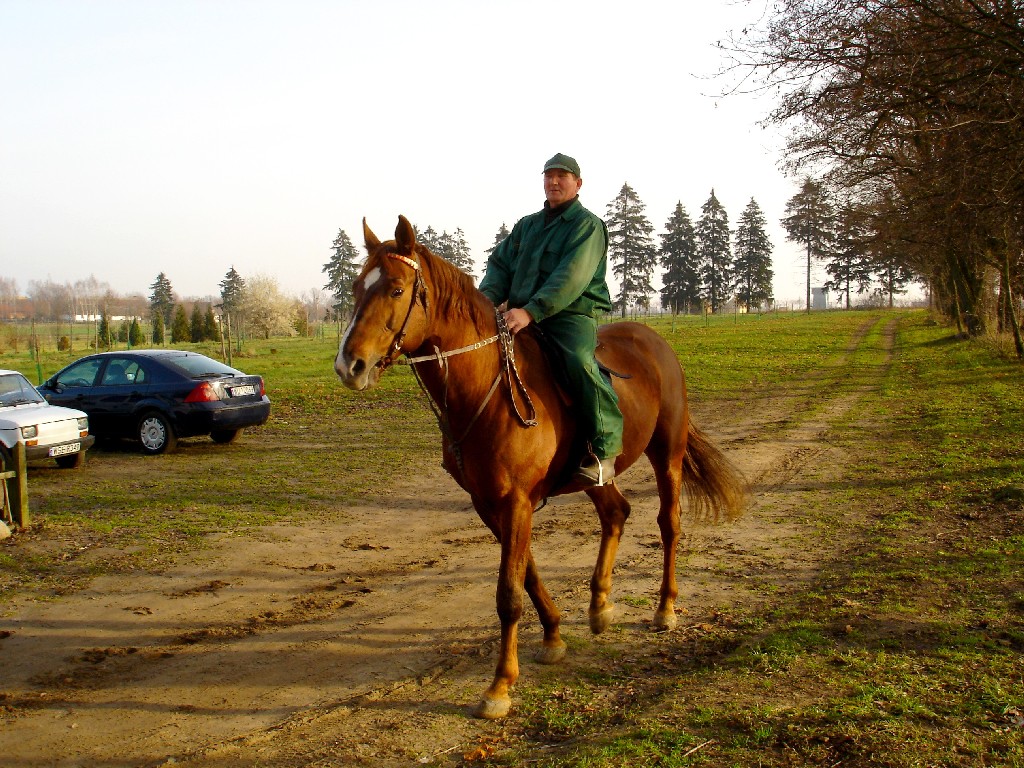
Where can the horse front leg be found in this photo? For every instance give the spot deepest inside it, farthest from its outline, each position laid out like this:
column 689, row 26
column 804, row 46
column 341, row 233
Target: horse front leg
column 514, row 535
column 613, row 510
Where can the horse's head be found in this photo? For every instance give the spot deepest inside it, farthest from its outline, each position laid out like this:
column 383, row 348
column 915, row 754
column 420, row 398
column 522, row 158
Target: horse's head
column 390, row 304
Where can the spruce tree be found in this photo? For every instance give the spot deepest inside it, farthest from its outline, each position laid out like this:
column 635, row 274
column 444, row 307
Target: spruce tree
column 161, row 301
column 681, row 291
column 342, row 270
column 809, row 220
column 195, row 324
column 180, row 331
column 459, row 254
column 103, row 332
column 211, row 331
column 232, row 295
column 714, row 253
column 892, row 273
column 631, row 248
column 851, row 265
column 753, row 258
column 135, row 337
column 429, row 238
column 158, row 330
column 501, row 234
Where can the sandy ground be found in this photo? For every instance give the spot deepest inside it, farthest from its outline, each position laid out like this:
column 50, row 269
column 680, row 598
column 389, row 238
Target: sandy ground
column 368, row 643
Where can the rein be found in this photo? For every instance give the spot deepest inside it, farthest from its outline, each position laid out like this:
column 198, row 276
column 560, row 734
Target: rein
column 507, row 368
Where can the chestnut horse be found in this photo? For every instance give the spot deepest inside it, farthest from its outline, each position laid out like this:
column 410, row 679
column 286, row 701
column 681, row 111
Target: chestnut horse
column 513, row 446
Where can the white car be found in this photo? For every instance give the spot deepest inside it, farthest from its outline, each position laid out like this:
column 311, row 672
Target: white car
column 47, row 431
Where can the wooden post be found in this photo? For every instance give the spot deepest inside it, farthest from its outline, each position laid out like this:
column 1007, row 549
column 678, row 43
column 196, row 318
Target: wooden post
column 16, row 477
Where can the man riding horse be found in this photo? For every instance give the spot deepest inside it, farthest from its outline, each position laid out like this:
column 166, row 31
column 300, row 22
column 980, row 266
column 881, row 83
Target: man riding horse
column 551, row 271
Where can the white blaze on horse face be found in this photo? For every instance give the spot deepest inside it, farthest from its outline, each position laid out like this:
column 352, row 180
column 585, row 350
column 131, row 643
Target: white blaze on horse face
column 342, row 365
column 371, row 278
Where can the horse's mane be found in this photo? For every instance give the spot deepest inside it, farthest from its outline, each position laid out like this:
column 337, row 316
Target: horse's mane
column 453, row 290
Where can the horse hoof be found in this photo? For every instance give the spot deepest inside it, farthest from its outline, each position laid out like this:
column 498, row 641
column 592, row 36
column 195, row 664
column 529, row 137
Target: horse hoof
column 492, row 709
column 665, row 621
column 600, row 620
column 551, row 655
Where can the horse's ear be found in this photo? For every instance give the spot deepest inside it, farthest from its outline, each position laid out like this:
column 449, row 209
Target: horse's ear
column 405, row 236
column 370, row 239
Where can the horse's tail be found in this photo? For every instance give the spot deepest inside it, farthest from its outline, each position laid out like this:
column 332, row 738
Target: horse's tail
column 714, row 488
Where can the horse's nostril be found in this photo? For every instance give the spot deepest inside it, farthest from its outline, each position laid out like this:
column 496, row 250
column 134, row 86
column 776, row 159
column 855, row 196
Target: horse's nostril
column 358, row 367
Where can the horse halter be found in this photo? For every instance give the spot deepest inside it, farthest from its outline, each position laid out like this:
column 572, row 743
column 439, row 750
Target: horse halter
column 419, row 291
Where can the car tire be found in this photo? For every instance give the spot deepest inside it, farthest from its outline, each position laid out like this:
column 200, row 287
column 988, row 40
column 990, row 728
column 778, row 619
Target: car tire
column 225, row 436
column 71, row 461
column 156, row 434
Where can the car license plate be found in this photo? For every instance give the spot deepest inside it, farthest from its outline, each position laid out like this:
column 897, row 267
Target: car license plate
column 63, row 450
column 247, row 389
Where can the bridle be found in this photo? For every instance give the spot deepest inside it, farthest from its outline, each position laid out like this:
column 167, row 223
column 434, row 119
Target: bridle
column 507, row 366
column 419, row 291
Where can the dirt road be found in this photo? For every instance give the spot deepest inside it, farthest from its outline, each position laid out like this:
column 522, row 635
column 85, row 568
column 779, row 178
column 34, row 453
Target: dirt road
column 366, row 641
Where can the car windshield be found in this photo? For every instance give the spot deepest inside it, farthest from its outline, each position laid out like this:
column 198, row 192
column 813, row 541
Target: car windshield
column 15, row 389
column 199, row 366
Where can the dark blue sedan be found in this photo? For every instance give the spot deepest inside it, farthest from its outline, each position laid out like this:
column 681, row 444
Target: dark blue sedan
column 156, row 396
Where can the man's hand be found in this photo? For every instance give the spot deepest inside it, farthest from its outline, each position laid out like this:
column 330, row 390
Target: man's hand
column 517, row 319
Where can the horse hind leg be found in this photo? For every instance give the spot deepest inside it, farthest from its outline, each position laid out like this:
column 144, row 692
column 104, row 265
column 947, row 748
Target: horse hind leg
column 553, row 648
column 668, row 475
column 613, row 510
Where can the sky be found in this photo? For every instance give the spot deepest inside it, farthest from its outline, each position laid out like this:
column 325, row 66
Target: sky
column 192, row 136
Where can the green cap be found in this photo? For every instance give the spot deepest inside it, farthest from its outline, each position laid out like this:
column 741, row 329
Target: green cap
column 564, row 162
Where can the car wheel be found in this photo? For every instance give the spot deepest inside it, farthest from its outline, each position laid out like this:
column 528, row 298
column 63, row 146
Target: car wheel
column 71, row 461
column 156, row 434
column 225, row 436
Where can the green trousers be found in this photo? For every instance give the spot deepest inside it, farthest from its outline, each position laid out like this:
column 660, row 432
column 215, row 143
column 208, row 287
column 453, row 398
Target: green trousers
column 596, row 401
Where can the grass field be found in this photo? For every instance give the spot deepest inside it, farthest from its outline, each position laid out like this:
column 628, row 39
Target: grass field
column 908, row 650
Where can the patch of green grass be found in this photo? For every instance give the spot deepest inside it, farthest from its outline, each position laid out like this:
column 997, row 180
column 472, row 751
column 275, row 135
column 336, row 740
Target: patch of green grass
column 906, row 649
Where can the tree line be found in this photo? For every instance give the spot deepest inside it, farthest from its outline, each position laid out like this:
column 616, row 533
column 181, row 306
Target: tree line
column 910, row 112
column 703, row 266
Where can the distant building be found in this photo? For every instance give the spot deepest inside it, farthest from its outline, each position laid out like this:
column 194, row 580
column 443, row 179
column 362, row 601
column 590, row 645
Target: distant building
column 819, row 298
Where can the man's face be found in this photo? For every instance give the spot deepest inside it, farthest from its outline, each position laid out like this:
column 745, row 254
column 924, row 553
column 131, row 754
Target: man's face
column 560, row 186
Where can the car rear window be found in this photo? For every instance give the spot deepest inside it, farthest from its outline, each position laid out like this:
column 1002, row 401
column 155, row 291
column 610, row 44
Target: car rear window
column 198, row 366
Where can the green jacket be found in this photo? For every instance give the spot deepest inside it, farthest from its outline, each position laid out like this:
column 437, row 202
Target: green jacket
column 552, row 268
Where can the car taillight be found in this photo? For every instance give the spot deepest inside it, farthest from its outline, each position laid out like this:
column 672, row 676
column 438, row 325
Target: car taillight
column 263, row 389
column 204, row 393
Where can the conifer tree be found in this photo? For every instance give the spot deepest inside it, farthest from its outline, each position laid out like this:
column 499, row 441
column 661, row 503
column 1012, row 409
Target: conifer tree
column 809, row 221
column 161, row 301
column 453, row 248
column 851, row 264
column 891, row 271
column 753, row 258
column 429, row 238
column 180, row 331
column 158, row 330
column 500, row 235
column 195, row 324
column 681, row 290
column 342, row 270
column 211, row 331
column 631, row 248
column 103, row 332
column 135, row 337
column 232, row 294
column 714, row 253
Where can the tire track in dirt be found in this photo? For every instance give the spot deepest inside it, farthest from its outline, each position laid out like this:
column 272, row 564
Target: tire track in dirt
column 368, row 640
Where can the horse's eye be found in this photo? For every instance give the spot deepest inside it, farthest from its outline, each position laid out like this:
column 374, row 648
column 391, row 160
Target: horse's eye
column 397, row 293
